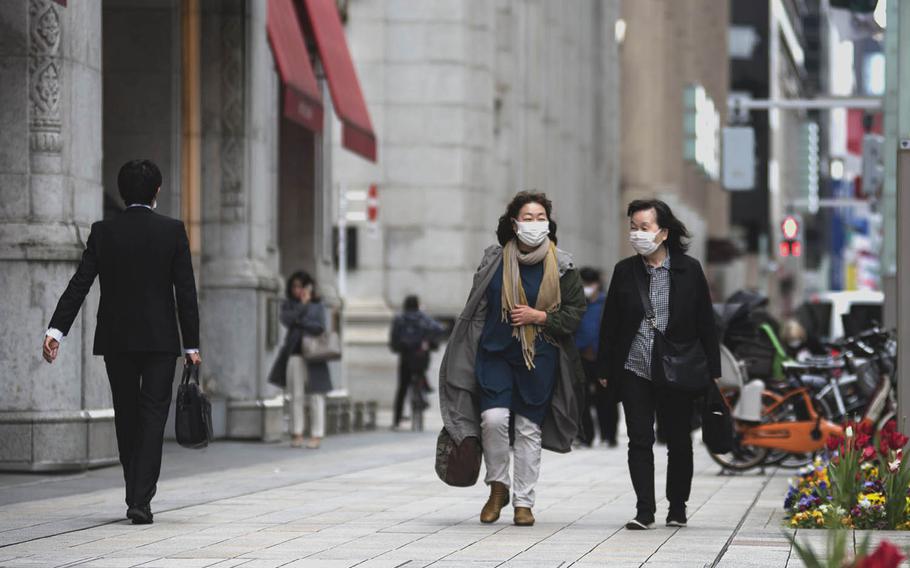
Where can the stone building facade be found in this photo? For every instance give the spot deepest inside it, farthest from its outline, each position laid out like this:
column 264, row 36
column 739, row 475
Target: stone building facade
column 192, row 85
column 474, row 100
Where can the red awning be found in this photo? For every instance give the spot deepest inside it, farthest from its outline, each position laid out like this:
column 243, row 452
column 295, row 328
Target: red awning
column 357, row 130
column 302, row 101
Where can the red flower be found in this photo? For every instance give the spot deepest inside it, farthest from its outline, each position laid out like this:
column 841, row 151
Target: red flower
column 884, row 446
column 866, row 427
column 885, row 556
column 868, row 453
column 890, row 426
column 861, row 441
column 834, row 442
column 898, row 440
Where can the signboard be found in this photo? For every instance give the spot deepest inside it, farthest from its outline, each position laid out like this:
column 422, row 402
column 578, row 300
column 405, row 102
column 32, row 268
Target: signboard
column 739, row 158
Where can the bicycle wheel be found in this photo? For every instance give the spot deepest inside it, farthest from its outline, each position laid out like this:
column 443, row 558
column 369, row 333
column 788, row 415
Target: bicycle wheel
column 742, row 458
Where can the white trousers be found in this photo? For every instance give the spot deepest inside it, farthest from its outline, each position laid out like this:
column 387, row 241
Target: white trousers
column 297, row 391
column 494, row 425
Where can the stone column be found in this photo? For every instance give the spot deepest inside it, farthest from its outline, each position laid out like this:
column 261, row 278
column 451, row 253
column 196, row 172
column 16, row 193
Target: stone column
column 60, row 416
column 239, row 277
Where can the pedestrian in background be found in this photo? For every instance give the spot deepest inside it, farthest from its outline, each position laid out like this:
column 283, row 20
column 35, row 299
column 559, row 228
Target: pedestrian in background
column 302, row 313
column 143, row 263
column 413, row 336
column 512, row 353
column 593, row 396
column 682, row 311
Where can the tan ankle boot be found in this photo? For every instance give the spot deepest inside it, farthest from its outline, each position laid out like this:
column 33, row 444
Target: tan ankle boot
column 524, row 517
column 499, row 498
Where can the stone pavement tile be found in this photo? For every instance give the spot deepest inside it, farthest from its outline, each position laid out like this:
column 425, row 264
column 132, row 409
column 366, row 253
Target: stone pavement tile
column 229, row 563
column 754, row 557
column 119, row 562
column 317, row 563
column 181, row 563
column 47, row 560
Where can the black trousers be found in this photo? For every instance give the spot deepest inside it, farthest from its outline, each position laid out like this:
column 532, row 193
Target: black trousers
column 141, row 385
column 404, row 382
column 641, row 400
column 603, row 401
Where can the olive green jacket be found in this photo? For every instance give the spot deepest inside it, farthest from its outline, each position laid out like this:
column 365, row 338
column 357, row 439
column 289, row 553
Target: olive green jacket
column 459, row 393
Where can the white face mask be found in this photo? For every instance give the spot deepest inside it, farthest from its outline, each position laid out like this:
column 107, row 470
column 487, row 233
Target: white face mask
column 643, row 242
column 532, row 233
column 589, row 292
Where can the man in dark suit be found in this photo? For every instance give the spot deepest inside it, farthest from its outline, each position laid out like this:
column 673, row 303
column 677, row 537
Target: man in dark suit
column 143, row 262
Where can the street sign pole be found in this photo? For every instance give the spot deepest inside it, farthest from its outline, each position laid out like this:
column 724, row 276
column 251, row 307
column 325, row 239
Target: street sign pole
column 903, row 284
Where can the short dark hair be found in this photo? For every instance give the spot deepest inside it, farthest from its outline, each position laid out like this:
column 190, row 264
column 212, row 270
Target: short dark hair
column 677, row 234
column 411, row 303
column 504, row 230
column 138, row 182
column 305, row 280
column 589, row 275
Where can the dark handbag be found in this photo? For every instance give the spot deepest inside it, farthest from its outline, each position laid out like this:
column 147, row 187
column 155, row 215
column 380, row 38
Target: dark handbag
column 717, row 430
column 458, row 465
column 193, row 415
column 678, row 365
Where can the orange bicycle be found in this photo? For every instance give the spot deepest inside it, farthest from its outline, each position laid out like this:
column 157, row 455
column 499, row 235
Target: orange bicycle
column 773, row 424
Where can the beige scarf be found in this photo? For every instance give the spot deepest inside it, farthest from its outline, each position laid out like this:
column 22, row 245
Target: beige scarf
column 513, row 293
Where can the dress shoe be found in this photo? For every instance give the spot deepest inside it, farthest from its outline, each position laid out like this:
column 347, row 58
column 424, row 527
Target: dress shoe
column 524, row 517
column 140, row 515
column 499, row 498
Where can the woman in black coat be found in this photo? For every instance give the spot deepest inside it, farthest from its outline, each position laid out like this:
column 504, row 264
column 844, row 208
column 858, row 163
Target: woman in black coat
column 679, row 295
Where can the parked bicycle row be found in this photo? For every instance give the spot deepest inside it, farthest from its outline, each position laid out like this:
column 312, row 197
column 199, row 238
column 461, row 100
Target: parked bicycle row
column 788, row 396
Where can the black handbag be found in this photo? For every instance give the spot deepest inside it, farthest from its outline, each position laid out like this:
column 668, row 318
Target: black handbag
column 677, row 365
column 193, row 415
column 458, row 465
column 717, row 430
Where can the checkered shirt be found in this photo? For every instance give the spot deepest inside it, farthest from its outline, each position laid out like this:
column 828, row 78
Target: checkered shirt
column 639, row 361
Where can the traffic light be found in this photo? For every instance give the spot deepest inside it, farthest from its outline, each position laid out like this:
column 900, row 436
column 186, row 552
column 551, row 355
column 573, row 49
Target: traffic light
column 791, row 245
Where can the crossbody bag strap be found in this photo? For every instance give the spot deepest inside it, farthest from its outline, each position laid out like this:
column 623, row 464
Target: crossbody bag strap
column 645, row 299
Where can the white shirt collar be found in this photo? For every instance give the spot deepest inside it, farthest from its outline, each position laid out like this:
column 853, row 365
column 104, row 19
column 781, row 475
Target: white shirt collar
column 149, row 207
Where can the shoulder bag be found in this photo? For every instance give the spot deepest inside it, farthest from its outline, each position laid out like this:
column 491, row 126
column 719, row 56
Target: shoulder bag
column 458, row 465
column 680, row 365
column 323, row 347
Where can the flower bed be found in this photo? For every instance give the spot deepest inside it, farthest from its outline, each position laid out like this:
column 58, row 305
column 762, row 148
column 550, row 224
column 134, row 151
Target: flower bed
column 864, row 483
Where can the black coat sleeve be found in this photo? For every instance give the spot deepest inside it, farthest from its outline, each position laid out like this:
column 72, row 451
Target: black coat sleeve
column 608, row 327
column 185, row 291
column 707, row 328
column 78, row 287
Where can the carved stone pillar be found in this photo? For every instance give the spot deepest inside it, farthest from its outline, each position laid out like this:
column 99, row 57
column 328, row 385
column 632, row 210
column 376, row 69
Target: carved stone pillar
column 60, row 416
column 239, row 277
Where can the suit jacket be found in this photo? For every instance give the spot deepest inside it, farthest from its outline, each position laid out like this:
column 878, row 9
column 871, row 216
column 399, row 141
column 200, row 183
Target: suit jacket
column 143, row 263
column 691, row 313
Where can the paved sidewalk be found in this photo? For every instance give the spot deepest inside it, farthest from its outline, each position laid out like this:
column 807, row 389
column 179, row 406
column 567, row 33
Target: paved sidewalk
column 373, row 500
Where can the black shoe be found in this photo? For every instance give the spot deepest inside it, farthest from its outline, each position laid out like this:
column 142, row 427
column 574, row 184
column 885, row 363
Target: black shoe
column 611, row 443
column 640, row 523
column 677, row 517
column 140, row 515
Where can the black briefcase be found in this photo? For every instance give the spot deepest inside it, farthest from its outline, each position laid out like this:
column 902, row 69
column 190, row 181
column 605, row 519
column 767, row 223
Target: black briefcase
column 193, row 415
